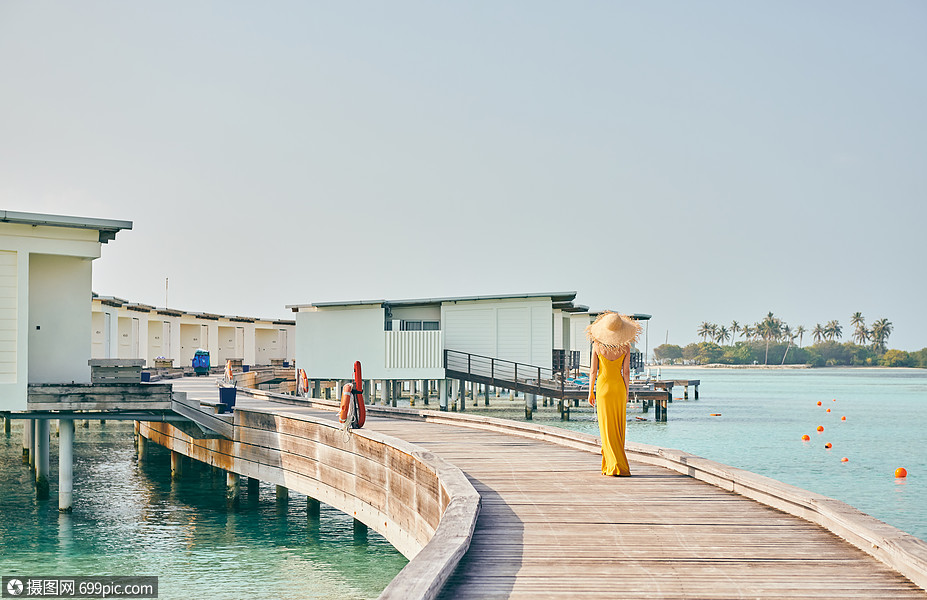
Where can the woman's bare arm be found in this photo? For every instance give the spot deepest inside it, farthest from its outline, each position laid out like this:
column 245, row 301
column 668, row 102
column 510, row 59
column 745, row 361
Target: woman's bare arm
column 626, row 368
column 593, row 373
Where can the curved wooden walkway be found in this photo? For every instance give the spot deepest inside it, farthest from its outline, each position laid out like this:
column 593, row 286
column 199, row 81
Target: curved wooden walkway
column 551, row 526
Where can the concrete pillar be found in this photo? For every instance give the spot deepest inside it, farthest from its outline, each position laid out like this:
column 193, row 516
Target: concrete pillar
column 511, row 395
column 41, row 458
column 313, row 509
column 531, row 404
column 397, row 392
column 28, row 429
column 7, row 425
column 442, row 394
column 455, row 394
column 283, row 494
column 412, row 392
column 475, row 393
column 232, row 484
column 426, row 384
column 176, row 464
column 486, row 395
column 33, row 423
column 65, row 465
column 142, row 448
column 367, row 386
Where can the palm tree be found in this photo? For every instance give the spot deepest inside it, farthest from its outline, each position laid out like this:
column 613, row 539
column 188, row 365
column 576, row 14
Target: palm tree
column 735, row 327
column 714, row 332
column 722, row 335
column 881, row 329
column 817, row 334
column 800, row 332
column 787, row 333
column 861, row 335
column 769, row 328
column 704, row 330
column 833, row 330
column 746, row 332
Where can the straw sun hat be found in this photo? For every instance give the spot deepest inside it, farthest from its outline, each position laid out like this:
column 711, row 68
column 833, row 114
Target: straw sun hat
column 613, row 330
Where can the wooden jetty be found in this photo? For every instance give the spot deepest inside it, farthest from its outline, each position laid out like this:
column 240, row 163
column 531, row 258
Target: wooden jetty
column 550, row 526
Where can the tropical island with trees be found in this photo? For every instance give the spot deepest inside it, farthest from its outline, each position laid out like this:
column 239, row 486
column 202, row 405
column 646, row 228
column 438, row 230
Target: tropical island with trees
column 772, row 341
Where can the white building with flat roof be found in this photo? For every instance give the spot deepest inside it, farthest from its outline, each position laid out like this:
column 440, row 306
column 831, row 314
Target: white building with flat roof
column 45, row 297
column 406, row 339
column 123, row 329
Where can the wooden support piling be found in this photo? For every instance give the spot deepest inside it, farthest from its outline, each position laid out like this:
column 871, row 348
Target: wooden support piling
column 442, row 394
column 42, row 463
column 176, row 465
column 232, row 486
column 27, row 442
column 313, row 508
column 142, row 448
column 360, row 532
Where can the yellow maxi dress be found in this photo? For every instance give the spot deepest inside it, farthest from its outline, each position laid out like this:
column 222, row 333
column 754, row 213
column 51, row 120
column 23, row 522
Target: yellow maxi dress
column 611, row 402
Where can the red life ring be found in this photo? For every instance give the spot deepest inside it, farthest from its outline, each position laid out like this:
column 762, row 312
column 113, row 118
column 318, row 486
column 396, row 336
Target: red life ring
column 354, row 392
column 303, row 381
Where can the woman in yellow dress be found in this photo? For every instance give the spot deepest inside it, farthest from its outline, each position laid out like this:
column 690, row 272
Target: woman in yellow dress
column 611, row 335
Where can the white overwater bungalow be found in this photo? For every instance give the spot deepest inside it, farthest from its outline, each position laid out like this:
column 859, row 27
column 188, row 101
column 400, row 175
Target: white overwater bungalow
column 406, row 339
column 485, row 340
column 45, row 292
column 123, row 329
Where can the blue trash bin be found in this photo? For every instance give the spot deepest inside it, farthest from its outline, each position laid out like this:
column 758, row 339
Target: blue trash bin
column 245, row 368
column 146, row 376
column 227, row 396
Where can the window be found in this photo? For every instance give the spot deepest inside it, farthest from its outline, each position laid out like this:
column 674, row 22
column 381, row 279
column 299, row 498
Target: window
column 419, row 325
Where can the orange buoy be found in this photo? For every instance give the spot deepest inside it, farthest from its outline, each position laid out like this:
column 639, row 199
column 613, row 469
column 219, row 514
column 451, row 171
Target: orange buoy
column 901, row 472
column 835, row 399
column 828, row 410
column 828, row 445
column 805, row 437
column 844, row 459
column 819, row 403
column 843, row 418
column 714, row 414
column 820, row 428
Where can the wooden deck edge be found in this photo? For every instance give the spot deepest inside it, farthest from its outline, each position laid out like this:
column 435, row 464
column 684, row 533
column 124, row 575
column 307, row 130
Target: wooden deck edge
column 427, row 572
column 897, row 549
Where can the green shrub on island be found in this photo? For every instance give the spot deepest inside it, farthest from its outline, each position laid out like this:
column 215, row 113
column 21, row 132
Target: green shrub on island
column 823, row 354
column 772, row 341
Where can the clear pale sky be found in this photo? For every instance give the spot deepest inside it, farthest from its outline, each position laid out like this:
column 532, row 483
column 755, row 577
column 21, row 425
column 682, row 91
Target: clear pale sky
column 692, row 160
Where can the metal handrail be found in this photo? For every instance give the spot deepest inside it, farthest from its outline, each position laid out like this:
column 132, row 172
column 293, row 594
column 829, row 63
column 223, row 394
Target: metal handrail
column 529, row 377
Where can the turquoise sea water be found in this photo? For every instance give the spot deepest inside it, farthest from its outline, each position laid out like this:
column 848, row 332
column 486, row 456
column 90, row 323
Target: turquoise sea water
column 133, row 520
column 765, row 413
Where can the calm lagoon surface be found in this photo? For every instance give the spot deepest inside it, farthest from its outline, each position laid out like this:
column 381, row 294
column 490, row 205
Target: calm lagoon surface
column 764, row 413
column 133, row 520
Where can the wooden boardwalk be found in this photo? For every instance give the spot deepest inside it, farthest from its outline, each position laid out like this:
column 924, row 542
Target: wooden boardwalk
column 551, row 526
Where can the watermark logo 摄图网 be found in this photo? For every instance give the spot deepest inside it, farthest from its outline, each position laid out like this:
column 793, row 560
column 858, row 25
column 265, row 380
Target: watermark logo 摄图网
column 79, row 587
